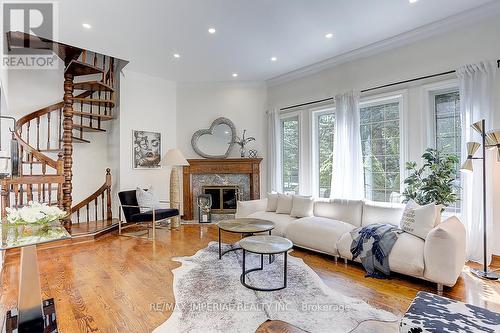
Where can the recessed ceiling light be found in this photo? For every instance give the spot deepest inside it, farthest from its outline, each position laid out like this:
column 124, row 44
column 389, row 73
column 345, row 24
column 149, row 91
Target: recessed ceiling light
column 274, row 59
column 211, row 30
column 177, row 55
column 86, row 25
column 235, row 74
column 413, row 1
column 329, row 35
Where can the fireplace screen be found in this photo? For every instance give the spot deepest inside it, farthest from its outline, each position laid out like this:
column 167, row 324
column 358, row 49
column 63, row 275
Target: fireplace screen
column 224, row 198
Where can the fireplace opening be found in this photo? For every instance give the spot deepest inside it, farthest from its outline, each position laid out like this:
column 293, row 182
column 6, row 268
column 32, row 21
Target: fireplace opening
column 224, row 198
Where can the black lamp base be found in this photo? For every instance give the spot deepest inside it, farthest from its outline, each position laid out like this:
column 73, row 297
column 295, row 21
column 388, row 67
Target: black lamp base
column 488, row 275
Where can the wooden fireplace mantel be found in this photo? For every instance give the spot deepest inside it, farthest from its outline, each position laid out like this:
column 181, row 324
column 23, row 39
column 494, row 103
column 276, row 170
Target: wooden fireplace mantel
column 250, row 166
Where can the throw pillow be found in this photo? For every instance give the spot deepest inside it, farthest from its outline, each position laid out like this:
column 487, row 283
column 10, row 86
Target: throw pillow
column 285, row 202
column 272, row 202
column 146, row 199
column 418, row 220
column 438, row 214
column 302, row 206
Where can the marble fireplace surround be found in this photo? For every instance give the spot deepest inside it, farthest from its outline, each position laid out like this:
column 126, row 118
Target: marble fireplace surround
column 244, row 172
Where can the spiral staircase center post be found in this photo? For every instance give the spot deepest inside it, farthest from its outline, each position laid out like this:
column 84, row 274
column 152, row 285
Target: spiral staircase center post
column 68, row 146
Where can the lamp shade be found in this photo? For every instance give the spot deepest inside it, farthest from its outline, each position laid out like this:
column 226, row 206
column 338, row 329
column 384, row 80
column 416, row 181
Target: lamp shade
column 174, row 157
column 494, row 141
column 478, row 126
column 467, row 166
column 472, row 147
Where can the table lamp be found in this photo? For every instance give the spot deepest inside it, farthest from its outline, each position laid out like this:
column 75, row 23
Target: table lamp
column 175, row 159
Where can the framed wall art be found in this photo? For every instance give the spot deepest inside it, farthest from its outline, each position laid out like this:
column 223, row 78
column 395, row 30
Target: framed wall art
column 146, row 150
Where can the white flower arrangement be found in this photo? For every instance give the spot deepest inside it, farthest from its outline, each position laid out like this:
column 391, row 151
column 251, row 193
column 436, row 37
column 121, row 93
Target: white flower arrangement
column 34, row 213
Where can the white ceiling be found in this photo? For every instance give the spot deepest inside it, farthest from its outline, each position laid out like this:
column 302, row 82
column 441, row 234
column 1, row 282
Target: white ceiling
column 249, row 32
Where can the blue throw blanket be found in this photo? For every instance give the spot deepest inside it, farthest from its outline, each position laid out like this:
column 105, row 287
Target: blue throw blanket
column 373, row 244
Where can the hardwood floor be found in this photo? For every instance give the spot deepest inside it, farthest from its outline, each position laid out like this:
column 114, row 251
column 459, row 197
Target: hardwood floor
column 112, row 284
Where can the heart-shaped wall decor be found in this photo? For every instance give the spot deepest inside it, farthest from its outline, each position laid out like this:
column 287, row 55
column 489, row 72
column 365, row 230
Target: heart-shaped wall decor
column 216, row 141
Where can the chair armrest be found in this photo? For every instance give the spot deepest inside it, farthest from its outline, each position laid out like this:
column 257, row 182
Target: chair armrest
column 245, row 208
column 444, row 252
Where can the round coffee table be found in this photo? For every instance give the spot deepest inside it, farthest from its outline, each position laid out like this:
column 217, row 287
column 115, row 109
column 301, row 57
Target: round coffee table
column 245, row 227
column 265, row 245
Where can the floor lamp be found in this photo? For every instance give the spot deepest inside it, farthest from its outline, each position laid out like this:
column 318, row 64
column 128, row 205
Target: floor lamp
column 490, row 140
column 175, row 159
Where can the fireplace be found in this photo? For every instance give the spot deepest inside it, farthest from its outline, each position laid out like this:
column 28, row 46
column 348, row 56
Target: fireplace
column 224, row 198
column 243, row 173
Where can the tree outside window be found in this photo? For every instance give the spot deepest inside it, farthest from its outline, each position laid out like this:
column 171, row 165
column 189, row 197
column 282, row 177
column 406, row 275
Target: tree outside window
column 380, row 141
column 290, row 155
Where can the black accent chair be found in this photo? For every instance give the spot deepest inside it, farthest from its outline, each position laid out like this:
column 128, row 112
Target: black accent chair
column 133, row 215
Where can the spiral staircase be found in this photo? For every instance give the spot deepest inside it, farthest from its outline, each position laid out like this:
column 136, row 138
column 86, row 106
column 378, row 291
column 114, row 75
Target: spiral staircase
column 46, row 137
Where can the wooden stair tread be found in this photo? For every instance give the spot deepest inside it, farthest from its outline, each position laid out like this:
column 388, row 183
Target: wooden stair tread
column 52, row 150
column 18, row 40
column 86, row 128
column 79, row 140
column 95, row 101
column 96, row 116
column 92, row 86
column 78, row 68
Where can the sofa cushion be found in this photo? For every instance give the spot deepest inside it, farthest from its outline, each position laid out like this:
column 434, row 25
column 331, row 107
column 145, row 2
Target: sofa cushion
column 317, row 233
column 285, row 202
column 302, row 206
column 348, row 211
column 281, row 221
column 406, row 257
column 272, row 202
column 382, row 212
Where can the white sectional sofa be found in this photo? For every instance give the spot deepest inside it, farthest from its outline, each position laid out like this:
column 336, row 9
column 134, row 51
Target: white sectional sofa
column 439, row 258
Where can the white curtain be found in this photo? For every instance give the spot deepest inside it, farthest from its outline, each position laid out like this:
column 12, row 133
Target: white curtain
column 347, row 180
column 273, row 151
column 477, row 84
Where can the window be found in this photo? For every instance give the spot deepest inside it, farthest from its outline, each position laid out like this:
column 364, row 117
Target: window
column 381, row 147
column 448, row 129
column 324, row 126
column 290, row 154
column 448, row 126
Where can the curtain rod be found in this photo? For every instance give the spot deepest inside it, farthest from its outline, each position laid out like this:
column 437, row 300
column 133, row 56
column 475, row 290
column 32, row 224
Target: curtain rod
column 378, row 87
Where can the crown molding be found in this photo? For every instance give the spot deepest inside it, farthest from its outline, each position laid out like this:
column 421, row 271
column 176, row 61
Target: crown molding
column 406, row 38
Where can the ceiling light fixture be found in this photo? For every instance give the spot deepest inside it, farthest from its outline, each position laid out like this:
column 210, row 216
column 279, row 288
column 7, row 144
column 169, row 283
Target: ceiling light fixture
column 413, row 1
column 177, row 55
column 274, row 59
column 86, row 25
column 211, row 30
column 329, row 35
column 235, row 74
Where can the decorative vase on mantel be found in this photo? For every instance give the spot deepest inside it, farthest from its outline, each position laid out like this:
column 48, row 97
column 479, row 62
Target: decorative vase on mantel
column 242, row 142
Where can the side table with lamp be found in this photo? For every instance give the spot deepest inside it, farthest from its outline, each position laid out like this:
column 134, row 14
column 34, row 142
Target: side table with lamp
column 175, row 159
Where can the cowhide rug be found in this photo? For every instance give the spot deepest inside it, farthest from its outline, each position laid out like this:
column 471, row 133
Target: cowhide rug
column 210, row 298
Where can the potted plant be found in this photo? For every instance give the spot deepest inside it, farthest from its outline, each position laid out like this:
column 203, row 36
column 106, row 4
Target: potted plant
column 435, row 181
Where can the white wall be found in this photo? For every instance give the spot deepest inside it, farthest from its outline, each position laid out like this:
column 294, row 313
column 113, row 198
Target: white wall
column 243, row 103
column 146, row 103
column 432, row 55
